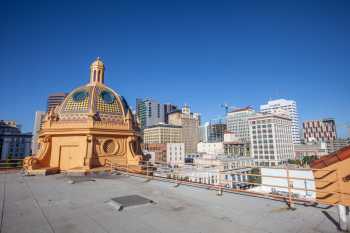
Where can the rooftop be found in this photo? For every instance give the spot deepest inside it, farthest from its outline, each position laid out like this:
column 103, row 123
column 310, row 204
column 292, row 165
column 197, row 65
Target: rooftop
column 262, row 115
column 52, row 204
column 242, row 109
column 163, row 125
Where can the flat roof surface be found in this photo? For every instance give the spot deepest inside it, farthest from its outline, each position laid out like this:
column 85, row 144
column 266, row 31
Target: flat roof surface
column 52, row 204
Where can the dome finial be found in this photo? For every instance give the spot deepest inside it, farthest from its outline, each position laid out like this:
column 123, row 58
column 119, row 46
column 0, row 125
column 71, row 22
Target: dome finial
column 97, row 71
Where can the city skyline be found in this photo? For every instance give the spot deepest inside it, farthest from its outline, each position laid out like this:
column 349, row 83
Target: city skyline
column 187, row 58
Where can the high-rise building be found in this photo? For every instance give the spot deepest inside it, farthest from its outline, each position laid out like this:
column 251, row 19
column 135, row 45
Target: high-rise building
column 216, row 132
column 149, row 112
column 237, row 122
column 38, row 123
column 161, row 134
column 13, row 143
column 55, row 99
column 190, row 127
column 168, row 108
column 291, row 107
column 320, row 130
column 212, row 132
column 203, row 132
column 271, row 139
column 141, row 113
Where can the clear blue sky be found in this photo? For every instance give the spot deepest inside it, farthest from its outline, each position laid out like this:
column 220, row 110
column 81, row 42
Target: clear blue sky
column 196, row 52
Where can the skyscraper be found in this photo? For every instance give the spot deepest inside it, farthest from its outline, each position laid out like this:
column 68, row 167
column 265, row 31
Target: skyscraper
column 291, row 107
column 271, row 139
column 237, row 122
column 149, row 112
column 55, row 99
column 203, row 132
column 216, row 132
column 190, row 127
column 320, row 130
column 168, row 108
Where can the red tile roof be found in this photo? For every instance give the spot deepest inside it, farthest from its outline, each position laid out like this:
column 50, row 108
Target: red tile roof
column 337, row 156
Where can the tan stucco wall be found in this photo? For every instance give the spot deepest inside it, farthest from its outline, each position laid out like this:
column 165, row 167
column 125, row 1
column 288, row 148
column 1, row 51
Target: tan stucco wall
column 76, row 146
column 331, row 179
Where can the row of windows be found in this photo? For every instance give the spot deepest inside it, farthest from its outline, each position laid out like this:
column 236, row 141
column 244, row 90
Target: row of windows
column 150, row 110
column 265, row 146
column 264, row 157
column 262, row 126
column 175, row 148
column 175, row 158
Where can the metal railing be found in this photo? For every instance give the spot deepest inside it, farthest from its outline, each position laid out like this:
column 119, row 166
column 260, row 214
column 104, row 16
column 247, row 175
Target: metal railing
column 11, row 164
column 288, row 192
column 280, row 187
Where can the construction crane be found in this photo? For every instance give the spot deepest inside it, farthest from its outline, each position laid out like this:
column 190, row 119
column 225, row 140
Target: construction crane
column 227, row 107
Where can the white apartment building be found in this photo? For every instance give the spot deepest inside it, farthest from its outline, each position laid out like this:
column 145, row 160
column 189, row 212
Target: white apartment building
column 216, row 148
column 175, row 153
column 237, row 122
column 291, row 107
column 271, row 139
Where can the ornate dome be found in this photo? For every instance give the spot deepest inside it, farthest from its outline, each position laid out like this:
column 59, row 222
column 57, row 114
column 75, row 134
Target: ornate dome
column 93, row 98
column 92, row 128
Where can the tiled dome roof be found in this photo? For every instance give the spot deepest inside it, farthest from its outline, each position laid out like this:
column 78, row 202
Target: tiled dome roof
column 96, row 98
